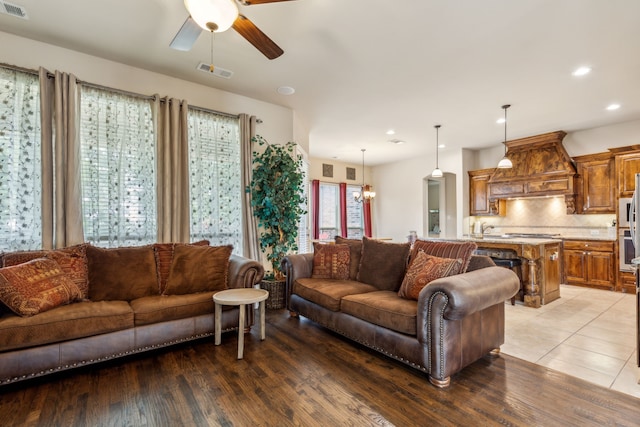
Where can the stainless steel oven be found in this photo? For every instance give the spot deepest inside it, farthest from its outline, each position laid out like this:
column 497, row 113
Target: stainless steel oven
column 626, row 250
column 624, row 212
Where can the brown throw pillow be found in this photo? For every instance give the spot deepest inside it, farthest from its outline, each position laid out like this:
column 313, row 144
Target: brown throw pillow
column 355, row 253
column 164, row 257
column 445, row 249
column 122, row 274
column 331, row 261
column 423, row 270
column 36, row 286
column 72, row 260
column 383, row 263
column 198, row 269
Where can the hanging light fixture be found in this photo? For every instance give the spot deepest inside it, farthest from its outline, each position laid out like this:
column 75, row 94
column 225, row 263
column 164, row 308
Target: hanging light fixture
column 365, row 193
column 437, row 173
column 213, row 15
column 505, row 163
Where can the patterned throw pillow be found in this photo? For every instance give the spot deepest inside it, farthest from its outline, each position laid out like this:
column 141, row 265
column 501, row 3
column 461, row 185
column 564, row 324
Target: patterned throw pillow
column 355, row 252
column 331, row 261
column 72, row 260
column 163, row 253
column 36, row 286
column 444, row 249
column 423, row 270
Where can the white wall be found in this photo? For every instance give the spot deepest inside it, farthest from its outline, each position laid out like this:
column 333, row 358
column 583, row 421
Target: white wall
column 278, row 124
column 398, row 207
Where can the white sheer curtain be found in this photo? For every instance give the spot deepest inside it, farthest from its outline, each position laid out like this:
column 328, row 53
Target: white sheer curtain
column 215, row 184
column 20, row 161
column 118, row 168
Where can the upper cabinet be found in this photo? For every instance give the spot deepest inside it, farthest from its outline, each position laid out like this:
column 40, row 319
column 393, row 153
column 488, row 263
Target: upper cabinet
column 595, row 184
column 479, row 203
column 627, row 166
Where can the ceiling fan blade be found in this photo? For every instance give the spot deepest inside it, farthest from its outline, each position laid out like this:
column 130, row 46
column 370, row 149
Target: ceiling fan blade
column 250, row 2
column 249, row 31
column 186, row 36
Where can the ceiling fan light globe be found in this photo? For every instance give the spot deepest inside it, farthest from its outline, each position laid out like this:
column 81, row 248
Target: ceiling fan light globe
column 223, row 13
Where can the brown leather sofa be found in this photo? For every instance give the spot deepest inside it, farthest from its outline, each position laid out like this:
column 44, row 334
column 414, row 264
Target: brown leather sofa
column 455, row 321
column 127, row 311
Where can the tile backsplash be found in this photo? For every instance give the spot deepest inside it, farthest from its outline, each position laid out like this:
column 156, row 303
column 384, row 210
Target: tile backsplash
column 548, row 215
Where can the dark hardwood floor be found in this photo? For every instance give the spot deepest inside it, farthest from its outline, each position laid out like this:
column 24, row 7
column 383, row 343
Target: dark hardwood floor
column 304, row 375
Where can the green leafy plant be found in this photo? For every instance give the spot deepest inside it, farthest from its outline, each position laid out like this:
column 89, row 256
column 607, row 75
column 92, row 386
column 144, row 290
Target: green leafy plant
column 277, row 197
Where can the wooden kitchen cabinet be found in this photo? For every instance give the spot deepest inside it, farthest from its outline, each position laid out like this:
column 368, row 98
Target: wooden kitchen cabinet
column 590, row 263
column 479, row 204
column 626, row 282
column 627, row 165
column 595, row 184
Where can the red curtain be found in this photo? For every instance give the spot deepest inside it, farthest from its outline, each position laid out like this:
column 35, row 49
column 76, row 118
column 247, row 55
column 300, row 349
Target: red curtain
column 366, row 214
column 315, row 208
column 343, row 209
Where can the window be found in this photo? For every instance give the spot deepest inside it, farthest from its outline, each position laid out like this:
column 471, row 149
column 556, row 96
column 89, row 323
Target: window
column 329, row 211
column 355, row 222
column 20, row 162
column 215, row 178
column 118, row 168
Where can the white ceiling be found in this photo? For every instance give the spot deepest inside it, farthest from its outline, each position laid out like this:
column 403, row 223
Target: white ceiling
column 361, row 67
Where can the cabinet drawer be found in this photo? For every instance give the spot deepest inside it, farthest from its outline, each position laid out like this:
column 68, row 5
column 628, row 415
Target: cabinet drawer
column 590, row 245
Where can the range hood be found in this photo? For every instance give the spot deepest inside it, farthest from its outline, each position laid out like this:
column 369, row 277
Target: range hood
column 541, row 167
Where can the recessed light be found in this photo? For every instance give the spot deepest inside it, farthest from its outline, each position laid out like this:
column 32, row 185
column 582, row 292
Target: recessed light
column 500, row 121
column 581, row 71
column 286, row 90
column 396, row 141
column 391, row 132
column 612, row 107
column 441, row 146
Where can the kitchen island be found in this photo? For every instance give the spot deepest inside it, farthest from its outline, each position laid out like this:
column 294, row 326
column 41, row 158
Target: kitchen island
column 541, row 263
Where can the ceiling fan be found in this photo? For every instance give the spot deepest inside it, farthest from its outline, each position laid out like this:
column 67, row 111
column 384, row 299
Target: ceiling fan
column 219, row 16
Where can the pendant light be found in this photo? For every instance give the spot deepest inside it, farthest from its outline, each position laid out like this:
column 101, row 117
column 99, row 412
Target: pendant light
column 365, row 193
column 505, row 163
column 437, row 173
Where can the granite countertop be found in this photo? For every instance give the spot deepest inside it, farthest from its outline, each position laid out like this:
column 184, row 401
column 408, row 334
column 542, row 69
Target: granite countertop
column 488, row 238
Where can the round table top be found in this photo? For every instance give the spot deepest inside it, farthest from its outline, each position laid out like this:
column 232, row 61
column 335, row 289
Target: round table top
column 240, row 296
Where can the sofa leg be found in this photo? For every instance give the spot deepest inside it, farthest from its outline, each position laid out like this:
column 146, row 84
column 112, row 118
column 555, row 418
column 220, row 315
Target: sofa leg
column 495, row 352
column 444, row 383
column 293, row 314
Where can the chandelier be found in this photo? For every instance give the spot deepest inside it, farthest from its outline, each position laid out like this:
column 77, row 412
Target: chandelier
column 365, row 194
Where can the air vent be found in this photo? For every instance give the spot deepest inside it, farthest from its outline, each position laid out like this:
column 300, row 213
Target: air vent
column 217, row 71
column 13, row 10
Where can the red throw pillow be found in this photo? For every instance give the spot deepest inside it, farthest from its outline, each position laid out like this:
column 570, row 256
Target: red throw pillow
column 445, row 249
column 36, row 286
column 331, row 261
column 423, row 270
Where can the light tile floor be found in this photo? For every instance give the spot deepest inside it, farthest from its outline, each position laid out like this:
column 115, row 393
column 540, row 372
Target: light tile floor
column 587, row 333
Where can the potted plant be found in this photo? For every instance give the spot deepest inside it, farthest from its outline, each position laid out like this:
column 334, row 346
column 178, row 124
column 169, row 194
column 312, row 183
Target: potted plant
column 277, row 197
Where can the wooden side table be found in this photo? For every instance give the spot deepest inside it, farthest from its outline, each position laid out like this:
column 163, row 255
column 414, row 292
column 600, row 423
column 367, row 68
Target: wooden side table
column 240, row 297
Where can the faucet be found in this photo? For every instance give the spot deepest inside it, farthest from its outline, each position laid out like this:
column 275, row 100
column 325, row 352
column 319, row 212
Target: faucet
column 486, row 227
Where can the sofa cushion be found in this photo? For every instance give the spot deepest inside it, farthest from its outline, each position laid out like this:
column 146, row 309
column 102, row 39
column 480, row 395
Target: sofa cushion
column 383, row 308
column 331, row 261
column 445, row 249
column 423, row 270
column 198, row 269
column 329, row 293
column 82, row 319
column 121, row 273
column 36, row 286
column 72, row 260
column 383, row 263
column 162, row 308
column 355, row 254
column 164, row 257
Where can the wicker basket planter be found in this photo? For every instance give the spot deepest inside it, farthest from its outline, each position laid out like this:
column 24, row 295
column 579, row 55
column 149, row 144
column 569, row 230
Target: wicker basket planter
column 276, row 293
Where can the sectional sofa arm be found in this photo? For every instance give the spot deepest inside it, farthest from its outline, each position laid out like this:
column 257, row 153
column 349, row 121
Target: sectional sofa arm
column 294, row 267
column 244, row 272
column 470, row 292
